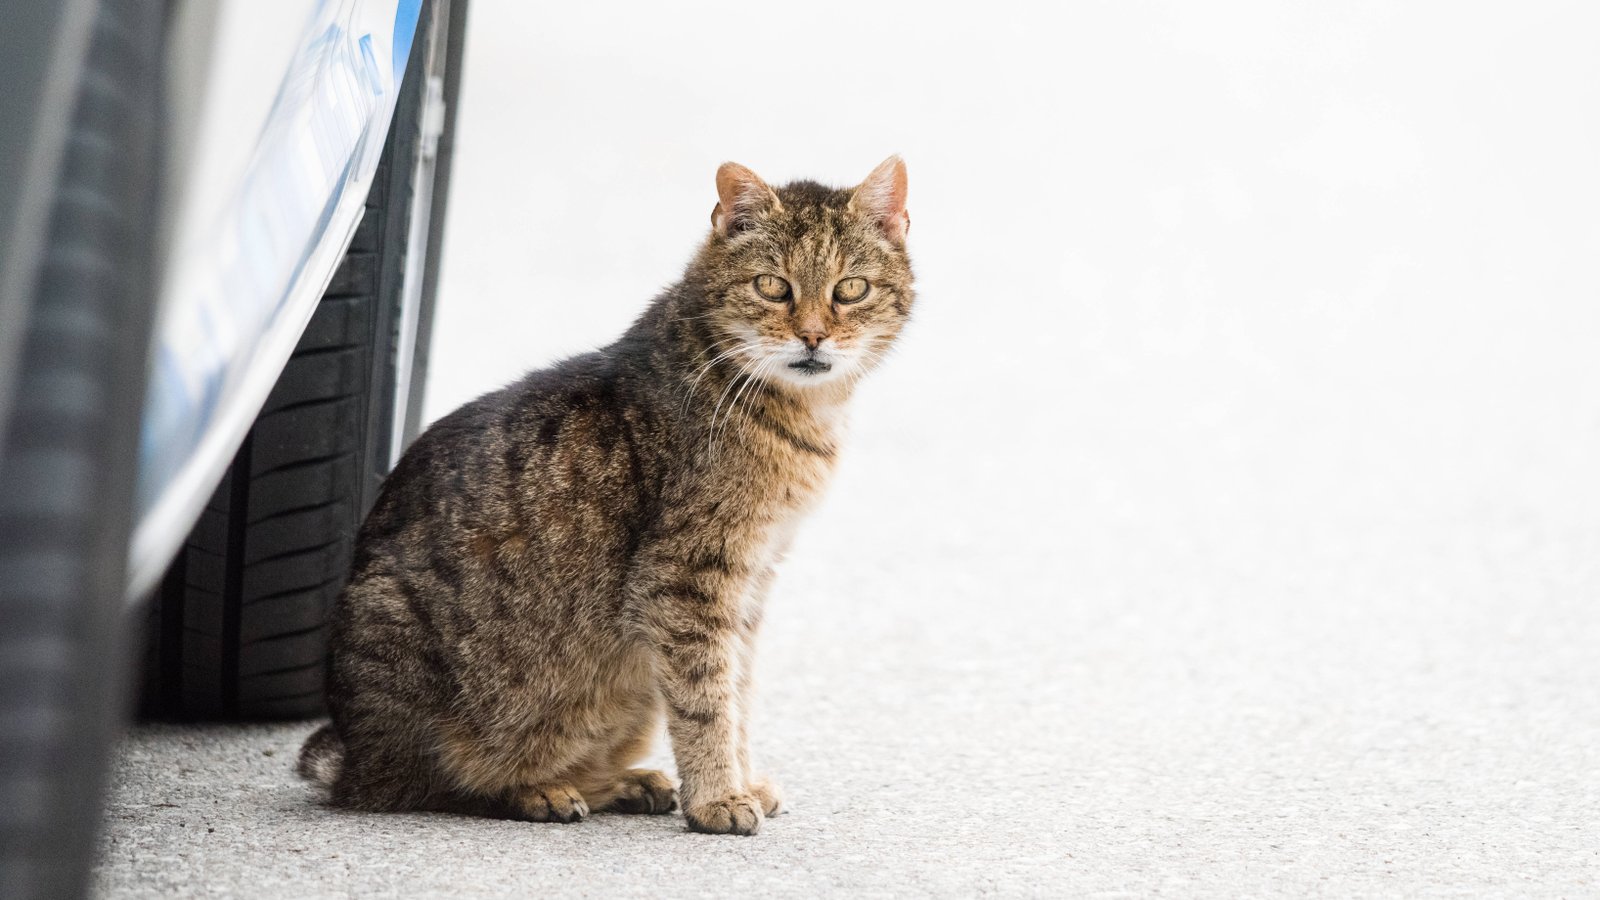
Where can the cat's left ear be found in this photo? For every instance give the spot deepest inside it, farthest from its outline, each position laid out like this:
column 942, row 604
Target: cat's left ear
column 883, row 197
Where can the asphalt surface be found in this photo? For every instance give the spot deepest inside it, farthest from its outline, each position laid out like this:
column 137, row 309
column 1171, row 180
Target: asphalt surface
column 1227, row 525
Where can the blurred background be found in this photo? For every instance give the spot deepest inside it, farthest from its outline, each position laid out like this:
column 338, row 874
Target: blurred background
column 1252, row 274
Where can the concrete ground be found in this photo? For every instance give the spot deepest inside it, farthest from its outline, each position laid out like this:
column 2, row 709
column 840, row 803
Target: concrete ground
column 1227, row 525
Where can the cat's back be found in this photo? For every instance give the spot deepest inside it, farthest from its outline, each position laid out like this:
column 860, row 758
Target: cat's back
column 570, row 453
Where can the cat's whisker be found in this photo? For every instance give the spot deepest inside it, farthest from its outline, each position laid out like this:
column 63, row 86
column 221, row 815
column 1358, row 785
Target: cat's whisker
column 739, row 346
column 763, row 366
column 774, row 363
column 701, row 372
column 751, row 388
column 712, row 314
column 717, row 339
column 718, row 342
column 761, row 370
column 872, row 356
column 744, row 371
column 877, row 349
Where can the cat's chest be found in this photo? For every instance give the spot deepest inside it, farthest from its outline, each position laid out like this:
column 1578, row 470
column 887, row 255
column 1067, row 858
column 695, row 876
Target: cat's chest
column 766, row 525
column 768, row 482
column 791, row 464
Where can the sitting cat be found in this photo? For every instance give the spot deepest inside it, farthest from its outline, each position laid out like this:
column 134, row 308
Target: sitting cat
column 552, row 566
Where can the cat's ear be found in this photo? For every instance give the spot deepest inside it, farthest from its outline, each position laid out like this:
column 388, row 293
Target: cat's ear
column 882, row 197
column 741, row 196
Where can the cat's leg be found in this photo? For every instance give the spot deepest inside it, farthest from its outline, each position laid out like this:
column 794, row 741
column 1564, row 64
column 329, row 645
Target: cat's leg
column 759, row 785
column 525, row 774
column 397, row 785
column 375, row 698
column 763, row 788
column 382, row 773
column 387, row 772
column 692, row 615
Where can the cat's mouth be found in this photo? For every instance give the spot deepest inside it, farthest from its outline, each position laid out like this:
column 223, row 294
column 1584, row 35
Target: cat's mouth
column 811, row 366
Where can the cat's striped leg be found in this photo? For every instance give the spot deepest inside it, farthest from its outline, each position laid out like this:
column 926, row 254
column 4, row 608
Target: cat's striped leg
column 695, row 624
column 750, row 626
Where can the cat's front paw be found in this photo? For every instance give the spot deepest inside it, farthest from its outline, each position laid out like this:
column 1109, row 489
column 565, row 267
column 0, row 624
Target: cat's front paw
column 733, row 814
column 771, row 798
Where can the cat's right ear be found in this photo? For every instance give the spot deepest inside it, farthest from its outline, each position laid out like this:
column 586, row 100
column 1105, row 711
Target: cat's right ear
column 742, row 196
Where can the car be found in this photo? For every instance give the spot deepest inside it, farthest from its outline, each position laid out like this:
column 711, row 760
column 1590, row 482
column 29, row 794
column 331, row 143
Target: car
column 219, row 230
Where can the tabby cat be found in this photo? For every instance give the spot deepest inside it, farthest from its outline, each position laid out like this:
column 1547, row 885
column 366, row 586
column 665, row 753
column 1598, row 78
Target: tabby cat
column 556, row 564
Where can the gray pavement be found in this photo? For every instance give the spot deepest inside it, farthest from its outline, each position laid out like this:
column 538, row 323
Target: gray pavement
column 1228, row 525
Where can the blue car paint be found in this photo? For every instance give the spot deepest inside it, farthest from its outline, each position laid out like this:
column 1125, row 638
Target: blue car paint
column 408, row 11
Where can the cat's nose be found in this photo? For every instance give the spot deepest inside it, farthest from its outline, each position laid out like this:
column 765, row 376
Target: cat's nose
column 811, row 334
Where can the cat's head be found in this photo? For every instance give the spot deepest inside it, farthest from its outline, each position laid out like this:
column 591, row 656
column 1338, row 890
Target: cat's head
column 808, row 285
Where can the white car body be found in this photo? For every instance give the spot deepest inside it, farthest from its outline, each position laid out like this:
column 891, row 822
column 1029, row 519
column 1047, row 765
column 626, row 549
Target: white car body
column 279, row 113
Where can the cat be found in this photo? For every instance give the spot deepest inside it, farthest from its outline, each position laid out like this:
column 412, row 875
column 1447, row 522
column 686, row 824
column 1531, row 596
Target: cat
column 556, row 565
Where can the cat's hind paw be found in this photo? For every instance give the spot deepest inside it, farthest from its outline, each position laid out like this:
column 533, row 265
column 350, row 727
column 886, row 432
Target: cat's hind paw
column 644, row 792
column 550, row 803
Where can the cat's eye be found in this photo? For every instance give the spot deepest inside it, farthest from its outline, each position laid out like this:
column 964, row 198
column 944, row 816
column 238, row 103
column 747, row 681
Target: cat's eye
column 850, row 290
column 772, row 287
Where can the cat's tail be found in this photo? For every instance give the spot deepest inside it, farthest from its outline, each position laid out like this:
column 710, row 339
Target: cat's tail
column 322, row 757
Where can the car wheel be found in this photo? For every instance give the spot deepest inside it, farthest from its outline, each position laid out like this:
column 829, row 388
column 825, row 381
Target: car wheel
column 238, row 626
column 68, row 466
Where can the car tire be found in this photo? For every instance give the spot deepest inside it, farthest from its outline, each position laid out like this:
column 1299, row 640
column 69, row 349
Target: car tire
column 238, row 628
column 69, row 463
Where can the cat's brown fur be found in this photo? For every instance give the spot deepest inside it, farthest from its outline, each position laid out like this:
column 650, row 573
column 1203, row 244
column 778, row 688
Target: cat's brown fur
column 554, row 566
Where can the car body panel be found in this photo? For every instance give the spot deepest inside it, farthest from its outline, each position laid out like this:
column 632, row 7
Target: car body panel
column 272, row 184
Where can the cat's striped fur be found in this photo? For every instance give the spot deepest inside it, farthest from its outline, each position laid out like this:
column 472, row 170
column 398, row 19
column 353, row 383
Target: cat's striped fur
column 555, row 566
